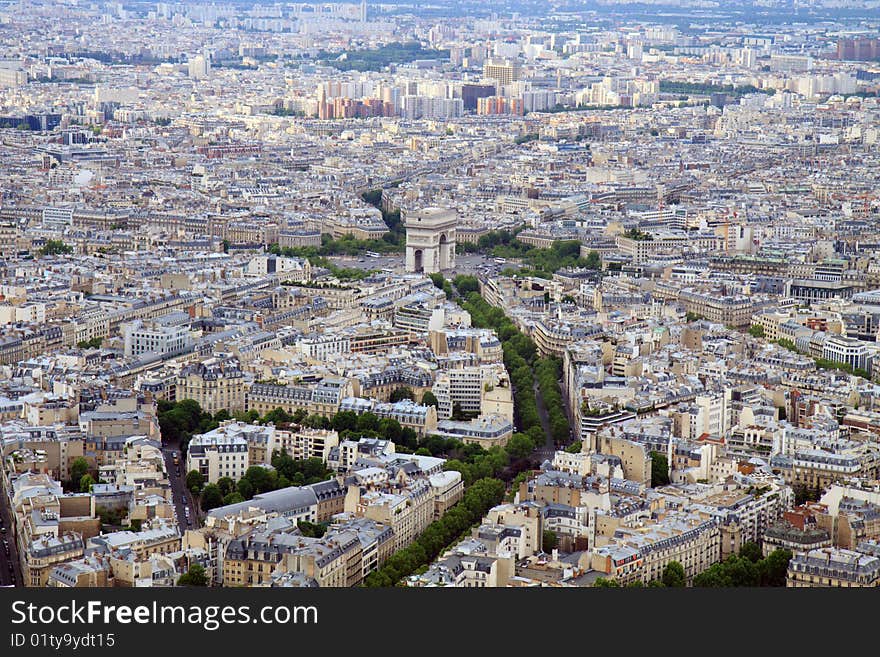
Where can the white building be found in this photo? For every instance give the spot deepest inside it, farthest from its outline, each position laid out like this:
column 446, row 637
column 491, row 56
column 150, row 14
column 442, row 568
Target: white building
column 841, row 349
column 216, row 455
column 165, row 335
column 294, row 269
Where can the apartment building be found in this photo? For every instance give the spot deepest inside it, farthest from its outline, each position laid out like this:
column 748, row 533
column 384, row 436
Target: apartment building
column 218, row 454
column 306, row 443
column 46, row 551
column 642, row 553
column 216, row 384
column 833, row 567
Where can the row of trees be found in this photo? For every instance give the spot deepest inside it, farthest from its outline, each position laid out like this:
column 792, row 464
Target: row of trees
column 477, row 500
column 489, row 241
column 544, row 263
column 675, row 87
column 824, row 363
column 396, row 230
column 342, row 273
column 548, row 371
column 519, row 355
column 472, row 461
column 523, row 366
column 344, row 245
column 376, row 59
column 748, row 568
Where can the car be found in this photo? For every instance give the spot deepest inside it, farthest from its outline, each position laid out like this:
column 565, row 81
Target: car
column 3, row 530
column 9, row 564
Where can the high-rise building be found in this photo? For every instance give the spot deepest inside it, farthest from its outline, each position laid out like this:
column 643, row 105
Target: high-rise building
column 199, row 67
column 470, row 93
column 862, row 49
column 503, row 70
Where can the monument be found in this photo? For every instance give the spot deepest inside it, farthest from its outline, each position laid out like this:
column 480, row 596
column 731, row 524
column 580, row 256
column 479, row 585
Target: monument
column 430, row 240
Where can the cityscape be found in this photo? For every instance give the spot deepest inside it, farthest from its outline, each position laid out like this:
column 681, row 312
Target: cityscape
column 573, row 294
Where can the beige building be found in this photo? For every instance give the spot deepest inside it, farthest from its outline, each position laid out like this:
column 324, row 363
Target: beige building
column 448, row 489
column 306, row 443
column 46, row 551
column 407, row 512
column 216, row 384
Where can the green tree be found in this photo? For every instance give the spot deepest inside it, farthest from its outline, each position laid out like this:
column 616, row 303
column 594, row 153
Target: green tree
column 606, row 583
column 86, row 483
column 520, row 446
column 277, row 417
column 345, row 421
column 659, row 469
column 311, row 529
column 756, row 331
column 226, row 485
column 466, row 284
column 245, row 489
column 549, row 541
column 751, row 551
column 390, row 429
column 211, row 497
column 195, row 576
column 401, row 393
column 261, row 479
column 774, row 568
column 194, row 481
column 55, row 247
column 428, row 399
column 233, row 498
column 593, row 260
column 674, row 575
column 78, row 469
column 368, row 422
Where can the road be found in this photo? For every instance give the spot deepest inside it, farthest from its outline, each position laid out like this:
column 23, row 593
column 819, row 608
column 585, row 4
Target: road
column 548, row 449
column 181, row 495
column 465, row 263
column 7, row 577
